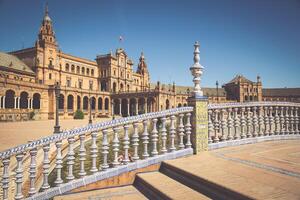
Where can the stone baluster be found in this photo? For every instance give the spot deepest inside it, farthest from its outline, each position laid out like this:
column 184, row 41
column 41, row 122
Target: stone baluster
column 46, row 166
column 70, row 159
column 230, row 123
column 82, row 155
column 115, row 146
column 181, row 131
column 105, row 148
column 135, row 141
column 154, row 138
column 249, row 122
column 282, row 121
column 126, row 143
column 216, row 125
column 145, row 139
column 32, row 171
column 271, row 120
column 243, row 123
column 94, row 151
column 172, row 134
column 5, row 178
column 223, row 125
column 236, row 123
column 267, row 132
column 188, row 130
column 277, row 121
column 58, row 163
column 292, row 120
column 296, row 121
column 164, row 136
column 19, row 176
column 260, row 121
column 287, row 121
column 255, row 121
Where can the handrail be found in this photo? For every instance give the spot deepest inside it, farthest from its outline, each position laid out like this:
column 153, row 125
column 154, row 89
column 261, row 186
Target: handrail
column 89, row 128
column 257, row 103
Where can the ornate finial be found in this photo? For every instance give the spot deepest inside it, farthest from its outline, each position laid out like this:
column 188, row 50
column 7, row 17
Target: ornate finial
column 197, row 71
column 46, row 17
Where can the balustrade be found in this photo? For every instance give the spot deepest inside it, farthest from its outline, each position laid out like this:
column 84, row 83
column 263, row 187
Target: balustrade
column 170, row 132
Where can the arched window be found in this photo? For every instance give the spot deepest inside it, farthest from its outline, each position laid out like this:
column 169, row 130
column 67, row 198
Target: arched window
column 24, row 100
column 82, row 70
column 114, row 87
column 36, row 102
column 103, row 86
column 167, row 104
column 67, row 67
column 121, row 87
column 9, row 99
column 77, row 69
column 106, row 104
column 73, row 69
column 99, row 103
column 87, row 71
column 78, row 102
column 85, row 103
column 92, row 72
column 70, row 102
column 61, row 102
column 93, row 103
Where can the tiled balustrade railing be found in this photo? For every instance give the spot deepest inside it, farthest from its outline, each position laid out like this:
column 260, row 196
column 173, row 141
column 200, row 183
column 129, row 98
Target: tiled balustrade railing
column 235, row 121
column 144, row 145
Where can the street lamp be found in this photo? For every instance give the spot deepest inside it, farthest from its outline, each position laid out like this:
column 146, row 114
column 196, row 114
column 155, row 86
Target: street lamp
column 217, row 85
column 57, row 94
column 90, row 118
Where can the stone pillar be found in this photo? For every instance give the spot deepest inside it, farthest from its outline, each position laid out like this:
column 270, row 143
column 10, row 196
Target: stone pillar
column 15, row 105
column 3, row 101
column 199, row 124
column 146, row 105
column 31, row 103
column 0, row 102
column 120, row 107
column 28, row 103
column 128, row 108
column 136, row 107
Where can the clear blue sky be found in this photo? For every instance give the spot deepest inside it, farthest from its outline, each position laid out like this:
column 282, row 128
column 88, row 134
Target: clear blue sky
column 236, row 36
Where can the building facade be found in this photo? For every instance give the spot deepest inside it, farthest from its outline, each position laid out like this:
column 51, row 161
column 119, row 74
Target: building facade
column 106, row 86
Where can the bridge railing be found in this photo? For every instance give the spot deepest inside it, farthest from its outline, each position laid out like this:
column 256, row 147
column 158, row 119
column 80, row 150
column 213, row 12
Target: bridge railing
column 142, row 144
column 235, row 121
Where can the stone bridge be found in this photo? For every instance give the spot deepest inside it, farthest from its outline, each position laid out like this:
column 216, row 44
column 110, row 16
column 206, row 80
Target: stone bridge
column 52, row 166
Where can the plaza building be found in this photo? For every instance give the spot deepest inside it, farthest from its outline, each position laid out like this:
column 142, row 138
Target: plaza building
column 106, row 86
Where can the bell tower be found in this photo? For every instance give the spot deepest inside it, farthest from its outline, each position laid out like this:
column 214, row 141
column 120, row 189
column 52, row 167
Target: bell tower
column 46, row 34
column 48, row 65
column 143, row 70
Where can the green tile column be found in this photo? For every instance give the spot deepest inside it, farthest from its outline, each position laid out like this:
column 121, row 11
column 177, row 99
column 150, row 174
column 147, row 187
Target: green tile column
column 199, row 123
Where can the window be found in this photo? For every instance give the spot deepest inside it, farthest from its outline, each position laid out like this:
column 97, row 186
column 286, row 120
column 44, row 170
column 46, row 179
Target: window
column 77, row 69
column 50, row 76
column 50, row 62
column 82, row 70
column 92, row 72
column 80, row 83
column 73, row 68
column 114, row 72
column 68, row 83
column 67, row 67
column 91, row 85
column 87, row 71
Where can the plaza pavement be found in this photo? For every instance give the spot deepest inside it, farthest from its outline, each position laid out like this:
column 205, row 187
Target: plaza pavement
column 16, row 133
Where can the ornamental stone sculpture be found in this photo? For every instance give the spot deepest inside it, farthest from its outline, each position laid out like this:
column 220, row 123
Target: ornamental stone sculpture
column 197, row 71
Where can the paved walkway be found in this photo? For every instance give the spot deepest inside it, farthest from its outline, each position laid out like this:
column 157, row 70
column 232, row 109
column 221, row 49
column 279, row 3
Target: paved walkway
column 268, row 170
column 16, row 133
